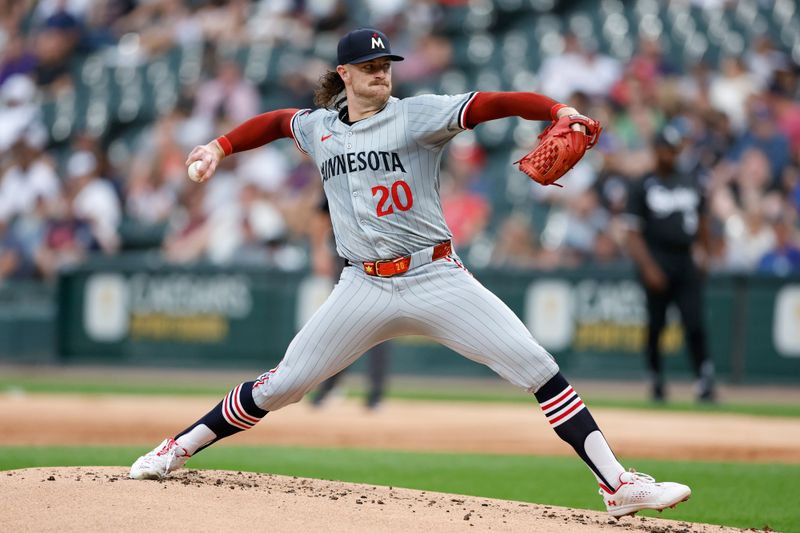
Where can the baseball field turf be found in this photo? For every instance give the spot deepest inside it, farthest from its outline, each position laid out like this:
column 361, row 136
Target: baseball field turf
column 738, row 493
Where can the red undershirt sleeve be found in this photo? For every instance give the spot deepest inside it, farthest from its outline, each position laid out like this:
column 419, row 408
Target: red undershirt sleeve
column 258, row 131
column 493, row 105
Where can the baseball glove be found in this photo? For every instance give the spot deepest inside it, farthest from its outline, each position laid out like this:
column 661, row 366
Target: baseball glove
column 560, row 148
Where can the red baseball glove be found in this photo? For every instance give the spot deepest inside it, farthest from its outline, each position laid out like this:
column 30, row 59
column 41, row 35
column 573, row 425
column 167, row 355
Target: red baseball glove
column 560, row 148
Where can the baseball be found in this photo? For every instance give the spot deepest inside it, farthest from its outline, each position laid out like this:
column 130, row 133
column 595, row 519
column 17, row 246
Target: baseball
column 194, row 171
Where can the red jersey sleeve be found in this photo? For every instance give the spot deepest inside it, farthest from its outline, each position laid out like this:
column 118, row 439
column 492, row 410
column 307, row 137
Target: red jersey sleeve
column 258, row 131
column 493, row 105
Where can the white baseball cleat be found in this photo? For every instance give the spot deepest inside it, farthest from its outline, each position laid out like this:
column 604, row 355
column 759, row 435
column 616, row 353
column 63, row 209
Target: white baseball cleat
column 639, row 491
column 157, row 464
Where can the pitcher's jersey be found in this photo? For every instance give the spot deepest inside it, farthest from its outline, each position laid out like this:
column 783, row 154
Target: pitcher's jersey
column 381, row 174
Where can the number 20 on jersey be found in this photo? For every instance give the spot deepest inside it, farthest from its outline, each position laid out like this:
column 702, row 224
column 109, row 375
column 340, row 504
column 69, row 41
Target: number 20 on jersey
column 397, row 196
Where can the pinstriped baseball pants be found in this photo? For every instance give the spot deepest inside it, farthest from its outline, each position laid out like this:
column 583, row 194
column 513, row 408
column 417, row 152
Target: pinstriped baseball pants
column 439, row 300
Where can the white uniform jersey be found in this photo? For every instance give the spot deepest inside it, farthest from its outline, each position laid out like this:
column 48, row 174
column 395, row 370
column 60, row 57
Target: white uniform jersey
column 381, row 174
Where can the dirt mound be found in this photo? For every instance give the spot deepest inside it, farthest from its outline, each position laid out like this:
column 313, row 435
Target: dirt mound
column 104, row 499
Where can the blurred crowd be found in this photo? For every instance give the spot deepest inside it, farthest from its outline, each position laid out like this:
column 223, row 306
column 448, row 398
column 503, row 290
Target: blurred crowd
column 61, row 203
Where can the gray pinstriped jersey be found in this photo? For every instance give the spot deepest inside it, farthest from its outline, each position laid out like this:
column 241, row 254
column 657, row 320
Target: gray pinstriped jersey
column 381, row 174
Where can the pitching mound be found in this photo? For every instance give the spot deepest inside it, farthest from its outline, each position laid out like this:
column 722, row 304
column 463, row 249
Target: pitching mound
column 104, row 499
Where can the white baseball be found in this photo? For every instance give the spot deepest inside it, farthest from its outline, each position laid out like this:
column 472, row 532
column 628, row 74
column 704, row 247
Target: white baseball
column 194, row 171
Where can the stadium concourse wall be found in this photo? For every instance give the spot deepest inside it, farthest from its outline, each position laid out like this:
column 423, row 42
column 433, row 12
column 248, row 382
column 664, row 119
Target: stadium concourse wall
column 148, row 313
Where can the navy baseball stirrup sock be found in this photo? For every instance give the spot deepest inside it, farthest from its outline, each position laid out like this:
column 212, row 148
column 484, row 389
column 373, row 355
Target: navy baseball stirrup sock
column 571, row 420
column 236, row 412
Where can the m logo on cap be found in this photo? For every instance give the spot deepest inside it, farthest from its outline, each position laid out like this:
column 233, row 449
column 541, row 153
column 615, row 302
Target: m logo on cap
column 364, row 44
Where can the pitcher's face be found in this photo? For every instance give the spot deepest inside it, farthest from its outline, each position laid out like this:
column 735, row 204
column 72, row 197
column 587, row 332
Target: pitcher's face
column 370, row 81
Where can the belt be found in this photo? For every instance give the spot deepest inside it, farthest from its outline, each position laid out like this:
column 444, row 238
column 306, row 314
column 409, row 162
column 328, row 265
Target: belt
column 386, row 268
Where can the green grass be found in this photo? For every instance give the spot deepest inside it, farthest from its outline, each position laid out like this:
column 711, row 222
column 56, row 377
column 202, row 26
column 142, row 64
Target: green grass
column 733, row 494
column 783, row 410
column 79, row 386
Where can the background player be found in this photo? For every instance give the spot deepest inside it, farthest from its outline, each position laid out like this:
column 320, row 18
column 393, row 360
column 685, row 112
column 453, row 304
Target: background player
column 666, row 212
column 379, row 161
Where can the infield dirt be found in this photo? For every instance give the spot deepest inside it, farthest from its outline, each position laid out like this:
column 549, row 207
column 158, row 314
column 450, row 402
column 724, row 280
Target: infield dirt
column 103, row 499
column 71, row 419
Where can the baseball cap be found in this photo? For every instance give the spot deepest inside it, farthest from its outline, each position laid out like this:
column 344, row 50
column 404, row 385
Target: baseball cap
column 362, row 45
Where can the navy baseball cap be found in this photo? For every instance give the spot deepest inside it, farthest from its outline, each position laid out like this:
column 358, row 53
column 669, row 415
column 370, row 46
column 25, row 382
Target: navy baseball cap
column 362, row 45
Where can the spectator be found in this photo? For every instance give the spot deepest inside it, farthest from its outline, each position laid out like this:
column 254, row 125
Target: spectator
column 16, row 58
column 13, row 262
column 515, row 246
column 643, row 76
column 786, row 111
column 784, row 258
column 31, row 176
column 157, row 173
column 579, row 68
column 634, row 130
column 94, row 200
column 223, row 22
column 711, row 140
column 55, row 41
column 748, row 236
column 790, row 187
column 763, row 60
column 150, row 199
column 228, row 97
column 19, row 111
column 67, row 240
column 240, row 230
column 188, row 229
column 762, row 134
column 574, row 229
column 464, row 204
column 694, row 87
column 730, row 89
column 98, row 32
column 161, row 25
column 431, row 56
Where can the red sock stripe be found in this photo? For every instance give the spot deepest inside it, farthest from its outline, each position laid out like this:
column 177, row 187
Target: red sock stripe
column 568, row 411
column 226, row 412
column 563, row 395
column 238, row 408
column 233, row 399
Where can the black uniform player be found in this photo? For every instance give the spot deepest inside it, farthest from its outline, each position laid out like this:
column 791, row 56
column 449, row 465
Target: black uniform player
column 667, row 217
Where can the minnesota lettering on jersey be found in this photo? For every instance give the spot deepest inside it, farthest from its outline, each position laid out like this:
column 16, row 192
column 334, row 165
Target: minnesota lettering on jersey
column 356, row 161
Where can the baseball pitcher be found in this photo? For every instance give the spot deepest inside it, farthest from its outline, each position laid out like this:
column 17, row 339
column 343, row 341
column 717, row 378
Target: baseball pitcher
column 378, row 158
